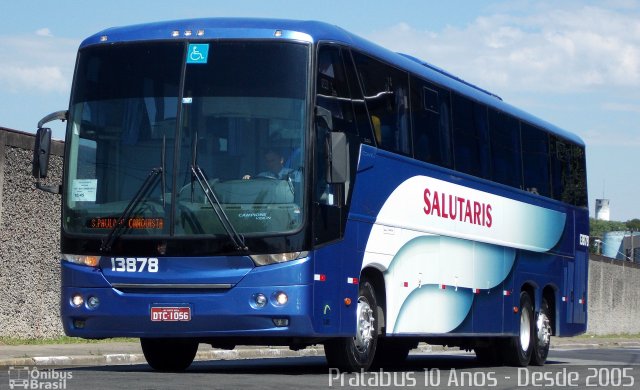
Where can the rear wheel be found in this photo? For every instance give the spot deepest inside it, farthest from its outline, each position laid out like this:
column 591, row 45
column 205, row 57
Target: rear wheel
column 517, row 350
column 169, row 354
column 356, row 353
column 541, row 335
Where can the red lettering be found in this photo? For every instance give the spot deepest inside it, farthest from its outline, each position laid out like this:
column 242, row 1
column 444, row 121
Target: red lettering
column 444, row 205
column 467, row 213
column 476, row 213
column 452, row 207
column 427, row 202
column 461, row 209
column 436, row 203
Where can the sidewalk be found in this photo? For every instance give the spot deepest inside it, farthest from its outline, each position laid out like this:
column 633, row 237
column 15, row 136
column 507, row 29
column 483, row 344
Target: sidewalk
column 110, row 353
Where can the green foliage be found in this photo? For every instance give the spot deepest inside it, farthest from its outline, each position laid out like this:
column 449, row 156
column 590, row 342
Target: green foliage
column 633, row 224
column 597, row 228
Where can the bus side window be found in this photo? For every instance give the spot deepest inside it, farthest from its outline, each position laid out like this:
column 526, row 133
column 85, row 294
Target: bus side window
column 506, row 156
column 430, row 123
column 535, row 160
column 577, row 181
column 386, row 93
column 471, row 137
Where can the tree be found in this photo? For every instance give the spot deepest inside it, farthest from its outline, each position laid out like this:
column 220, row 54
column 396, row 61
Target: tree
column 633, row 224
column 597, row 228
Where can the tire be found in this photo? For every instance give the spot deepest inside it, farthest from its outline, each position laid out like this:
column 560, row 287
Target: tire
column 517, row 350
column 488, row 355
column 541, row 335
column 391, row 352
column 169, row 354
column 356, row 353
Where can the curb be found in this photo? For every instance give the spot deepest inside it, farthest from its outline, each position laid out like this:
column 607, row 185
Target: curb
column 250, row 353
column 136, row 358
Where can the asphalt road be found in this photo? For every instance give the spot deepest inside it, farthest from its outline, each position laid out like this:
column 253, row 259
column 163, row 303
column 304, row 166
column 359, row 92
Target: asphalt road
column 576, row 369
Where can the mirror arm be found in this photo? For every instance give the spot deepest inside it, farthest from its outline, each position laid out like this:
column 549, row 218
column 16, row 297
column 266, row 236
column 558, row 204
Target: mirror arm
column 60, row 115
column 51, row 189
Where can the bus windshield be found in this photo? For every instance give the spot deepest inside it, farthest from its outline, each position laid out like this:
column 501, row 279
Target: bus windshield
column 233, row 110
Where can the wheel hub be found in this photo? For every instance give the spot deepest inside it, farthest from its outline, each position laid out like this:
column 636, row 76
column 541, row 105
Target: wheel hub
column 366, row 323
column 543, row 330
column 525, row 328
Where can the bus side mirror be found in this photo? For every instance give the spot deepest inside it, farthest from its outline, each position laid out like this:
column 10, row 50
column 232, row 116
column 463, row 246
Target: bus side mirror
column 338, row 158
column 325, row 116
column 41, row 152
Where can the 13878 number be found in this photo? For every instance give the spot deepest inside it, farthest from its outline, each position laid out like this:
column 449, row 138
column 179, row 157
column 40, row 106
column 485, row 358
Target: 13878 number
column 134, row 264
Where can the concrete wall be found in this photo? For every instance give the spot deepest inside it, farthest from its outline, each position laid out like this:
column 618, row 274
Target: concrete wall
column 614, row 296
column 29, row 252
column 29, row 242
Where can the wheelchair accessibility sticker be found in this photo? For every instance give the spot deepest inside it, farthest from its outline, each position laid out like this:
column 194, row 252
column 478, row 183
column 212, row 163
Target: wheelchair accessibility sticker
column 198, row 53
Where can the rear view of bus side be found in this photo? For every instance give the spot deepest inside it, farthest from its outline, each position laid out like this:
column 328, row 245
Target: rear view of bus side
column 408, row 206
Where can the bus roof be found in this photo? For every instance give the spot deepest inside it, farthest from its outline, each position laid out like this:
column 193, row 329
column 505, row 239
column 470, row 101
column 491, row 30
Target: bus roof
column 310, row 31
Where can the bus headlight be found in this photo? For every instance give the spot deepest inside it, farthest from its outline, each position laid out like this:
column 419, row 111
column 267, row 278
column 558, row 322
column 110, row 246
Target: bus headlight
column 91, row 261
column 277, row 258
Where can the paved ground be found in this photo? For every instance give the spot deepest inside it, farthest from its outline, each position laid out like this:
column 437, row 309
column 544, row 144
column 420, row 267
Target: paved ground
column 130, row 353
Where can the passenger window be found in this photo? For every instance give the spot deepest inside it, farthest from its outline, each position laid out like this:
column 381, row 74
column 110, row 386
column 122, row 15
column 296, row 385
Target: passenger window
column 386, row 93
column 577, row 182
column 506, row 158
column 535, row 160
column 430, row 123
column 471, row 137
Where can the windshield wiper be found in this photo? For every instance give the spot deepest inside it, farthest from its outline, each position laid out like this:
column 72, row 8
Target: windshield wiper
column 236, row 238
column 120, row 225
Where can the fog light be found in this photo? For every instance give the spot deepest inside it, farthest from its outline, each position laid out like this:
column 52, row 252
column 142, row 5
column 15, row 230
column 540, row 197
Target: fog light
column 78, row 324
column 77, row 300
column 260, row 300
column 281, row 322
column 281, row 298
column 93, row 302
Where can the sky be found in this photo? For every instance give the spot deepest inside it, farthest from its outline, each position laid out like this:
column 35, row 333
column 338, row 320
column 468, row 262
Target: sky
column 575, row 64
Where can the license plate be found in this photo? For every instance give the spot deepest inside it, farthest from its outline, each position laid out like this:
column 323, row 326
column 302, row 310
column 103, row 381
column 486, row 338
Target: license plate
column 171, row 314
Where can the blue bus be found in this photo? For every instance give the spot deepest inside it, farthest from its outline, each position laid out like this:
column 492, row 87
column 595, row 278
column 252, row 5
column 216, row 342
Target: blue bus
column 276, row 182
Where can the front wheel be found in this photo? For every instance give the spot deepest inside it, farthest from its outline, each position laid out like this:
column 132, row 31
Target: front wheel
column 357, row 353
column 517, row 350
column 169, row 354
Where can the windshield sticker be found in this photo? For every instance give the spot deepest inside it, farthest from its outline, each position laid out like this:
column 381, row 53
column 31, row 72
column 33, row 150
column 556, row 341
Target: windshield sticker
column 198, row 53
column 84, row 190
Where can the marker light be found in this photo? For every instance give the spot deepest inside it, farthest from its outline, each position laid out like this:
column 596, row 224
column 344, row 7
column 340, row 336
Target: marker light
column 187, row 33
column 103, row 38
column 278, row 33
column 91, row 261
column 281, row 298
column 175, row 33
column 200, row 33
column 77, row 300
